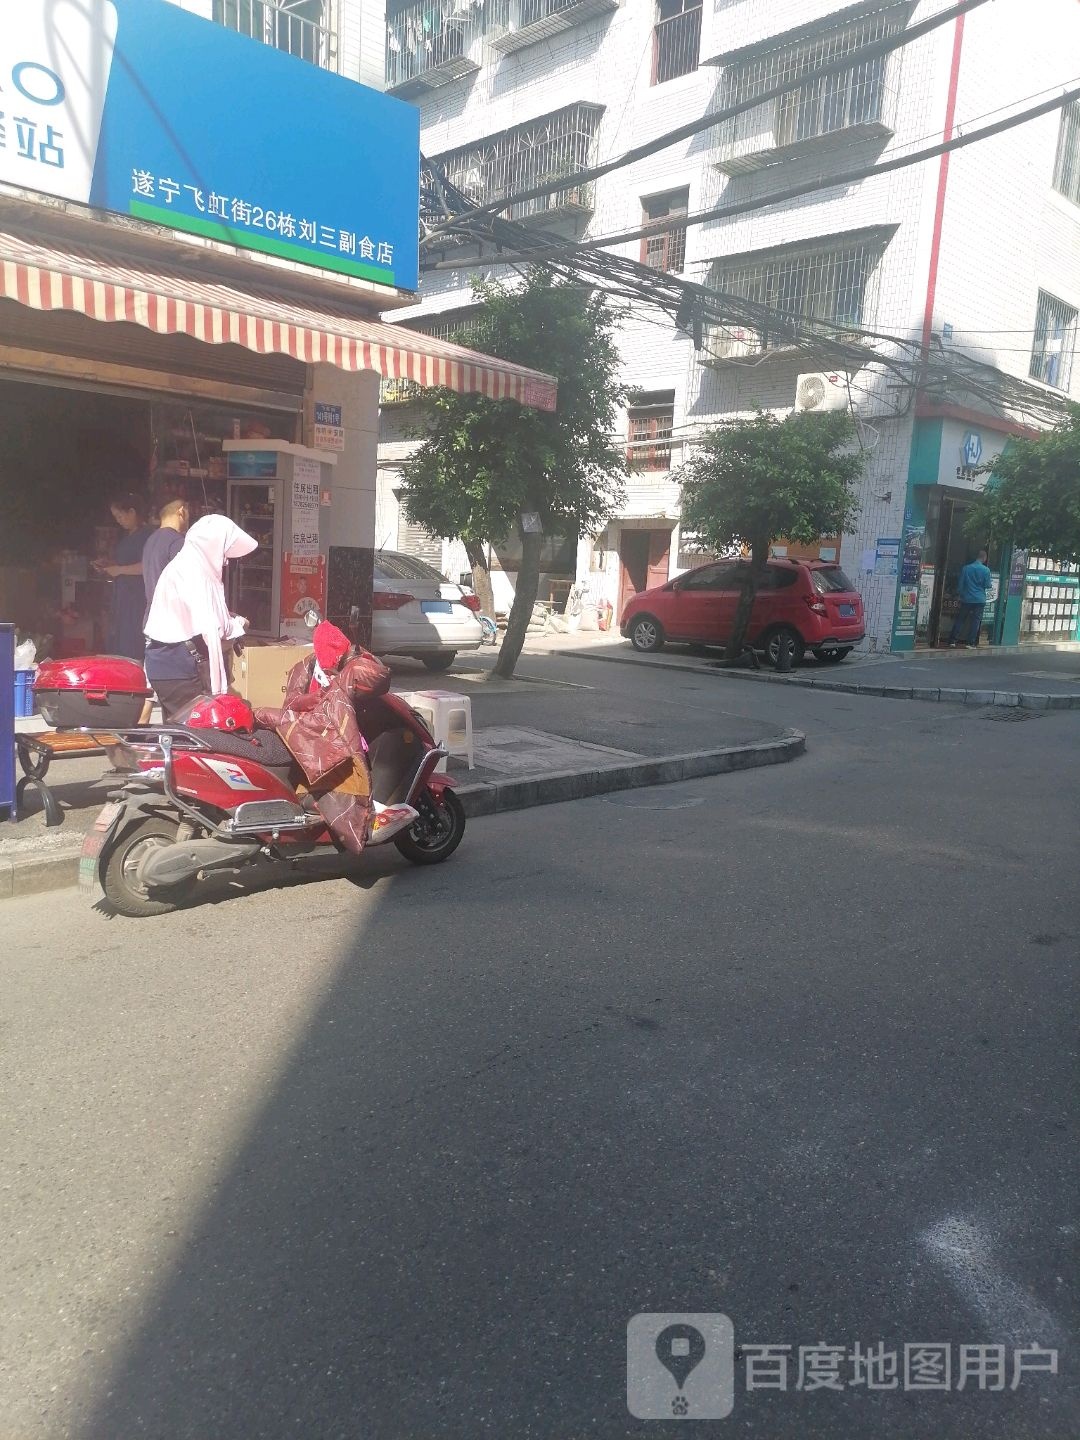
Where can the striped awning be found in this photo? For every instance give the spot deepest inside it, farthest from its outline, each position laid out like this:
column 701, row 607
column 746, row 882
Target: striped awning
column 45, row 278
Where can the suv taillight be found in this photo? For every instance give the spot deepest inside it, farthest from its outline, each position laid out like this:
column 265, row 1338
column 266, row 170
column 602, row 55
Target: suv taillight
column 471, row 602
column 817, row 605
column 390, row 599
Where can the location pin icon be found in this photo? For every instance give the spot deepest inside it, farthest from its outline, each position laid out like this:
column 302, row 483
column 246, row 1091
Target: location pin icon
column 679, row 1348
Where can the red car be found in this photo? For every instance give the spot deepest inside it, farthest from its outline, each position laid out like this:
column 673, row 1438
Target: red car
column 801, row 604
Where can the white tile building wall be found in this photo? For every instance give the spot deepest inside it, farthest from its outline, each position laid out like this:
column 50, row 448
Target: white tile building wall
column 1005, row 234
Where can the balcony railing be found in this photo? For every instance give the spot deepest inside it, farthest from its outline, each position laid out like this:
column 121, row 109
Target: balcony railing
column 513, row 24
column 812, row 290
column 429, row 44
column 552, row 148
column 299, row 27
column 858, row 102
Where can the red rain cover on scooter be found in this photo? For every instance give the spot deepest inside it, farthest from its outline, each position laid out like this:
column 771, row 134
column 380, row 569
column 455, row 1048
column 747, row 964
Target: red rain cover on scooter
column 322, row 734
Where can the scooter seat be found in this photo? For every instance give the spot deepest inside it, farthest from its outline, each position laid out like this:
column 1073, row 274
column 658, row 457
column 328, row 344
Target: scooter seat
column 264, row 747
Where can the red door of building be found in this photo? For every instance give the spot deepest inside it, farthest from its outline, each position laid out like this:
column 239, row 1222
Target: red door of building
column 644, row 557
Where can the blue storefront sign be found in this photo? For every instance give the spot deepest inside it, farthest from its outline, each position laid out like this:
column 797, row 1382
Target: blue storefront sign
column 138, row 107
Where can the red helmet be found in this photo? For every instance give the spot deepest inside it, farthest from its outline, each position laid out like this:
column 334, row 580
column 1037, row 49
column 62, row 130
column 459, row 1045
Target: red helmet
column 221, row 712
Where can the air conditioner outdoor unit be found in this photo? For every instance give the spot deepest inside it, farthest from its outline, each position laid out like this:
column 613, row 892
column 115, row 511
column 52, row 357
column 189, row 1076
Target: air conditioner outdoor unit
column 821, row 392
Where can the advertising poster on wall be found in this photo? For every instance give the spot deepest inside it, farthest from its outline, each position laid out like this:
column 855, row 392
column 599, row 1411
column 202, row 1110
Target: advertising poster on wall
column 303, row 588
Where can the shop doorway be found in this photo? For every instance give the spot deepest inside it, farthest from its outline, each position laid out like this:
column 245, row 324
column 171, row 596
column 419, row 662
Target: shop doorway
column 948, row 545
column 64, row 453
column 644, row 560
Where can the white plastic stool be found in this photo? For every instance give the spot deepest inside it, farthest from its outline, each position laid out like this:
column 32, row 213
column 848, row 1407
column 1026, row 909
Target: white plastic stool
column 449, row 718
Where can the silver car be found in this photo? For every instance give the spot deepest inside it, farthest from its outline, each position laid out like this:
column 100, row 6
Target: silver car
column 416, row 612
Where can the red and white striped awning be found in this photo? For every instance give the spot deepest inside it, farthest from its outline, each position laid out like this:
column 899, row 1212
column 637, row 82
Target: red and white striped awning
column 172, row 304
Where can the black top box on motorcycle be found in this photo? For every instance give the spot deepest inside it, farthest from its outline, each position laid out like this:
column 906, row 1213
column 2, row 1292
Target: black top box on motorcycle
column 91, row 690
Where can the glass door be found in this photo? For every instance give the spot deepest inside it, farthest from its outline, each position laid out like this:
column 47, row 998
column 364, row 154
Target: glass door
column 254, row 581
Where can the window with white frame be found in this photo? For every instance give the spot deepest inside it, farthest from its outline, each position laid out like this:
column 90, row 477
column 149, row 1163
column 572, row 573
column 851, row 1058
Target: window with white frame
column 299, row 27
column 1067, row 163
column 665, row 250
column 824, row 282
column 1055, row 342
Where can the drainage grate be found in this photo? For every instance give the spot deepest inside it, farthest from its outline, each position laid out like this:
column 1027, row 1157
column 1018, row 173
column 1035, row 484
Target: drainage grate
column 1011, row 712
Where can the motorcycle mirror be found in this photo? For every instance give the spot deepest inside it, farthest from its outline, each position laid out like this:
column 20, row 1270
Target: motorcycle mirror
column 312, row 618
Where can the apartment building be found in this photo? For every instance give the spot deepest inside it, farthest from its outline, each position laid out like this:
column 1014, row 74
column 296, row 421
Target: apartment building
column 976, row 257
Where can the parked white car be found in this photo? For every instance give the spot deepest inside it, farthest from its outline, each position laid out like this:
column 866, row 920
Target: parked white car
column 416, row 612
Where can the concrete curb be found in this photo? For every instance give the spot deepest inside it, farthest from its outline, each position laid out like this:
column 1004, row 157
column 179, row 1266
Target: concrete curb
column 495, row 797
column 37, row 874
column 946, row 695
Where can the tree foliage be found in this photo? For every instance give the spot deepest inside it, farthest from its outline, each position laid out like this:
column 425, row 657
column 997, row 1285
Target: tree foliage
column 483, row 463
column 757, row 480
column 1033, row 495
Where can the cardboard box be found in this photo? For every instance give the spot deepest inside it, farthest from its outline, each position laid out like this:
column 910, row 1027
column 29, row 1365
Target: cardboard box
column 259, row 673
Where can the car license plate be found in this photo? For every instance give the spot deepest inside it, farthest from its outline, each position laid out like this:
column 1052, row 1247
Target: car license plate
column 847, row 610
column 436, row 607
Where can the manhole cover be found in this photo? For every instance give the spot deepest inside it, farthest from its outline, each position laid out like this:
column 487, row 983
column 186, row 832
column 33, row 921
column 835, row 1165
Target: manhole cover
column 630, row 800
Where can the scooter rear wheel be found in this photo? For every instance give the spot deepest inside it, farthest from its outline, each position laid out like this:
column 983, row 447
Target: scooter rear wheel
column 123, row 889
column 437, row 834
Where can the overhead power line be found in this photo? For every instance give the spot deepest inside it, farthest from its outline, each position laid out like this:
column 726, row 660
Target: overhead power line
column 794, row 192
column 858, row 56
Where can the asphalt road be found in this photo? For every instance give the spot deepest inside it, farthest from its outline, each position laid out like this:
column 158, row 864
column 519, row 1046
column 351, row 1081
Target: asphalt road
column 399, row 1155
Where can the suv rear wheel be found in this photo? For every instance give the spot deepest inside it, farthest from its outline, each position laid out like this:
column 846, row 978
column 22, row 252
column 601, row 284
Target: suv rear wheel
column 646, row 634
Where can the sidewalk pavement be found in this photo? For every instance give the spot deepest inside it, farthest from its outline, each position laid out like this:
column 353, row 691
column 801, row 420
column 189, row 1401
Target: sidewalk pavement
column 536, row 741
column 1030, row 676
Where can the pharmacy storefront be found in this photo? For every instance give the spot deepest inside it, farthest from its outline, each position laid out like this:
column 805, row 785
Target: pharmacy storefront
column 1031, row 599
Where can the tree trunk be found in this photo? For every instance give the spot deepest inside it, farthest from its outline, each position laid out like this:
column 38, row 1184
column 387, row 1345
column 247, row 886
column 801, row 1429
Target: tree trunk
column 481, row 577
column 759, row 558
column 525, row 592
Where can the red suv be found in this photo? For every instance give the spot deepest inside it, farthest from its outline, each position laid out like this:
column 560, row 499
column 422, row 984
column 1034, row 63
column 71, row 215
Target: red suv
column 801, row 604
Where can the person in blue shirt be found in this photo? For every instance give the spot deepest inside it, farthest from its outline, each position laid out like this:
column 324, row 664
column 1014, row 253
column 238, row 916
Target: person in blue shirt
column 971, row 590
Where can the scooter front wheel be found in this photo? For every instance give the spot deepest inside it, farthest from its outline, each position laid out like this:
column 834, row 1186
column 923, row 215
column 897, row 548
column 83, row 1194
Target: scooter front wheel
column 120, row 876
column 437, row 833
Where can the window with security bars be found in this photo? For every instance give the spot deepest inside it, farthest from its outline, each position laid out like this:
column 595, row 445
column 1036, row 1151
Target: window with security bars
column 650, row 423
column 551, row 148
column 1055, row 342
column 667, row 249
column 810, row 285
column 1067, row 163
column 299, row 27
column 676, row 39
column 852, row 96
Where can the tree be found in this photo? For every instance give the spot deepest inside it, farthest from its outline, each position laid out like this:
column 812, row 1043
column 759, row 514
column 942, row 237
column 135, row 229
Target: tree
column 483, row 464
column 1033, row 495
column 755, row 481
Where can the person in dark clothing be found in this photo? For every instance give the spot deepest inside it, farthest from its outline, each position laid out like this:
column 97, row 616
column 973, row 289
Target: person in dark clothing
column 163, row 544
column 128, row 603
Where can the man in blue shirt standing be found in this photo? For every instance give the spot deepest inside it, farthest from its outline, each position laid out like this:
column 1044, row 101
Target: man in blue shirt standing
column 971, row 590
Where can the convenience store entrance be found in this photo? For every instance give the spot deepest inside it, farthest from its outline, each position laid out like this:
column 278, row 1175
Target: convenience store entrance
column 65, row 451
column 947, row 548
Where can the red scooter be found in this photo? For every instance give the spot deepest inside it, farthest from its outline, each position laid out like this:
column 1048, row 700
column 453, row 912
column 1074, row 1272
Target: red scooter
column 198, row 800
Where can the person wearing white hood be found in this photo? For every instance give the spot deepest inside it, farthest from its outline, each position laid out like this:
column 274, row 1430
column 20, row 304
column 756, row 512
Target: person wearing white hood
column 188, row 618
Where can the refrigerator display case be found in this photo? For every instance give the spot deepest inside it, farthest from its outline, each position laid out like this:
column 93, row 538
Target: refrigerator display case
column 276, row 492
column 255, row 581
